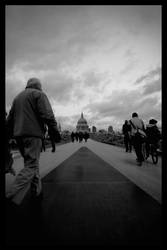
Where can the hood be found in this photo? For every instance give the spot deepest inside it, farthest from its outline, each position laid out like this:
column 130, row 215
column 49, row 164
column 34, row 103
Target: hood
column 34, row 83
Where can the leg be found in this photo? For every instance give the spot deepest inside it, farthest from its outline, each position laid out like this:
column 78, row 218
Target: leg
column 126, row 143
column 130, row 145
column 138, row 149
column 53, row 146
column 30, row 173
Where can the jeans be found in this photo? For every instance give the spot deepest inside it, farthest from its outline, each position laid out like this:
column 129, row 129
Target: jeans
column 127, row 142
column 28, row 177
column 137, row 144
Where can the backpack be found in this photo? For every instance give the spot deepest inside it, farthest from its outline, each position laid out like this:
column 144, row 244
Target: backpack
column 140, row 134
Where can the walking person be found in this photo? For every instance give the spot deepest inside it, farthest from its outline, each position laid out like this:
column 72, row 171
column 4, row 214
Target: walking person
column 72, row 136
column 137, row 129
column 86, row 136
column 80, row 135
column 30, row 112
column 53, row 141
column 76, row 136
column 126, row 130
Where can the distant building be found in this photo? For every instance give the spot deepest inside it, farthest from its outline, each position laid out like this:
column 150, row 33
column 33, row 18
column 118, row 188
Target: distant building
column 82, row 125
column 110, row 130
column 94, row 129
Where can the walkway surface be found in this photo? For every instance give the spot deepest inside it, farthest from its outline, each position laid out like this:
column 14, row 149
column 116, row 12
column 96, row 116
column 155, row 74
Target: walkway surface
column 94, row 194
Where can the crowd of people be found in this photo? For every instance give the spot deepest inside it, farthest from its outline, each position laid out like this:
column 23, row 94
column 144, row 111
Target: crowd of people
column 136, row 133
column 31, row 113
column 79, row 136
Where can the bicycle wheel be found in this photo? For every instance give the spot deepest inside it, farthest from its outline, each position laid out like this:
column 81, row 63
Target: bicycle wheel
column 154, row 155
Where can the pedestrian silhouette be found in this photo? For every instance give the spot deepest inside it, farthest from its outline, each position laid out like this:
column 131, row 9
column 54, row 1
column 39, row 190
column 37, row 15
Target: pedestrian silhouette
column 86, row 136
column 126, row 129
column 80, row 135
column 30, row 112
column 72, row 136
column 76, row 136
column 137, row 129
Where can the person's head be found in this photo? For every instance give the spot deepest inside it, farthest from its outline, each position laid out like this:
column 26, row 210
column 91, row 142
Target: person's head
column 134, row 115
column 152, row 121
column 34, row 83
column 126, row 121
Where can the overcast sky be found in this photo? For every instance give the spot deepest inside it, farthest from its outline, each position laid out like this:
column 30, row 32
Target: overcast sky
column 104, row 61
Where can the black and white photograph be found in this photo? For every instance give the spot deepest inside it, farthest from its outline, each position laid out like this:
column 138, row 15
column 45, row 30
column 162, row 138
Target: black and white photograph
column 83, row 125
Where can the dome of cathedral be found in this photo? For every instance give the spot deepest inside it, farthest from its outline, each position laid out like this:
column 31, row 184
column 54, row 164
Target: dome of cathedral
column 82, row 120
column 82, row 124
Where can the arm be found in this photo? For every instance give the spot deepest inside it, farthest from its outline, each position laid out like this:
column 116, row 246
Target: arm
column 45, row 111
column 47, row 116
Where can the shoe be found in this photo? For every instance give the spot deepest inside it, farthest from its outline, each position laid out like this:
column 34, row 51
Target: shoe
column 139, row 163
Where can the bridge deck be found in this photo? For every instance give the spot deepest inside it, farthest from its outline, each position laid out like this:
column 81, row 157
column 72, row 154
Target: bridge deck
column 86, row 202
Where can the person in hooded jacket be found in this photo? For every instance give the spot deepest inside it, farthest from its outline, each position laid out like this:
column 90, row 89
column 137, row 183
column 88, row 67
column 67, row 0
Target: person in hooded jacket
column 30, row 112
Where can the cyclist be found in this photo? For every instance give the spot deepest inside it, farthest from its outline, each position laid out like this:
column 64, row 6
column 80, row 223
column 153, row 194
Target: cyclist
column 153, row 135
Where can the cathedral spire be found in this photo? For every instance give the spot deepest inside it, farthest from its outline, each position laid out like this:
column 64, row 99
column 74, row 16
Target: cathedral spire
column 82, row 115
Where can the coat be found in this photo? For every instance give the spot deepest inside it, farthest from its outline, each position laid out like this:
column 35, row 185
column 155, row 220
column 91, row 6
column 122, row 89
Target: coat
column 29, row 113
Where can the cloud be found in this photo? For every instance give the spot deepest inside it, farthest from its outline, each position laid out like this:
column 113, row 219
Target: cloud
column 149, row 75
column 152, row 87
column 59, row 87
column 89, row 58
column 95, row 80
column 122, row 104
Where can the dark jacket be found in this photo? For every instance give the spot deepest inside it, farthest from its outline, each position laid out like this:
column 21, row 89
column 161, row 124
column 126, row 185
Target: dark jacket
column 126, row 128
column 153, row 133
column 29, row 113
